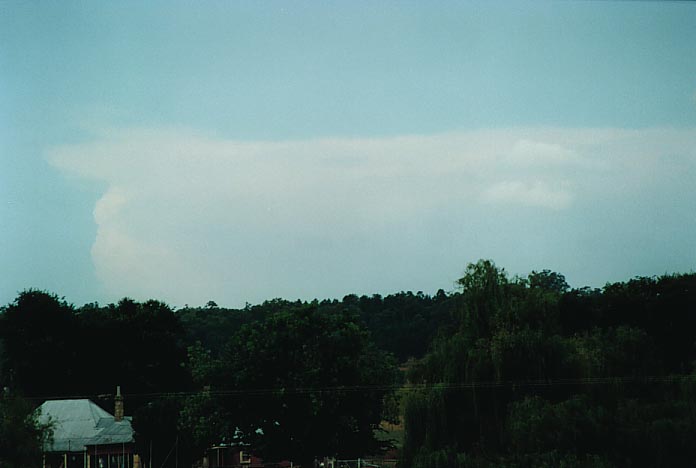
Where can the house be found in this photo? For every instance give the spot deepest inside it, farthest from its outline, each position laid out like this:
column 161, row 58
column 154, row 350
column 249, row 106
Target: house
column 86, row 436
column 236, row 455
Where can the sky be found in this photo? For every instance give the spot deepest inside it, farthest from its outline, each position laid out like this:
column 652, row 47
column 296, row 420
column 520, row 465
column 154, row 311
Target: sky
column 243, row 151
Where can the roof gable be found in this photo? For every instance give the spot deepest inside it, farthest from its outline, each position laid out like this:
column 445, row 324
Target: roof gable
column 78, row 423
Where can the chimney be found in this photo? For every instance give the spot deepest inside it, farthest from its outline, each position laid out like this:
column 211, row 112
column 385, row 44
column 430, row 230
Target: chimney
column 118, row 405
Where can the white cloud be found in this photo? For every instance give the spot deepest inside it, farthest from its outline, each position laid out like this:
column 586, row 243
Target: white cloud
column 538, row 194
column 109, row 205
column 189, row 217
column 528, row 152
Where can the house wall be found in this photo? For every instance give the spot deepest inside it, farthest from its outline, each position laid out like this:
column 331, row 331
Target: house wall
column 229, row 457
column 112, row 460
column 115, row 449
column 83, row 460
column 110, row 456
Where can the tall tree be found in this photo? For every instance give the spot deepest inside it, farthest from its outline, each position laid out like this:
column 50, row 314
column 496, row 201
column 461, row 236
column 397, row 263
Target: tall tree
column 40, row 339
column 300, row 383
column 537, row 375
column 22, row 436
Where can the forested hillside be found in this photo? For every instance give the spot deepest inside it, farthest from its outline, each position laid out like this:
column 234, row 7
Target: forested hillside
column 403, row 324
column 504, row 371
column 538, row 375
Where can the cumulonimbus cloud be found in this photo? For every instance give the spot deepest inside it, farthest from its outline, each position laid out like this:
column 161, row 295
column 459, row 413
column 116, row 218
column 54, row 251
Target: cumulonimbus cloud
column 189, row 217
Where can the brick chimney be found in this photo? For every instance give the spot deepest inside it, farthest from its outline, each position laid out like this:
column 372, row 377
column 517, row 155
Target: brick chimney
column 118, row 405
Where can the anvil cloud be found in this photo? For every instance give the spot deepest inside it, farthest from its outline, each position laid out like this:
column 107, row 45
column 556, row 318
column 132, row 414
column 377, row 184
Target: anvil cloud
column 188, row 216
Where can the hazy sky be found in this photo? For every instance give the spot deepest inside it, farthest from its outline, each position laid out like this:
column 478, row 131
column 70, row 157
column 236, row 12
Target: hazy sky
column 241, row 151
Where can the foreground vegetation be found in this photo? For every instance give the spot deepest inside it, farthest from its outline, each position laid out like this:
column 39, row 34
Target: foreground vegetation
column 535, row 375
column 504, row 371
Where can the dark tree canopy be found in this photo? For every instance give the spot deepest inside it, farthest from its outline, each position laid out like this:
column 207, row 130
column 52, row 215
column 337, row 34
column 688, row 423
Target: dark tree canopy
column 548, row 280
column 40, row 335
column 21, row 434
column 514, row 372
column 50, row 349
column 540, row 375
column 303, row 383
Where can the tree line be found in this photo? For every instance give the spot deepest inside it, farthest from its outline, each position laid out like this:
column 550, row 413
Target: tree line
column 503, row 371
column 535, row 374
column 294, row 379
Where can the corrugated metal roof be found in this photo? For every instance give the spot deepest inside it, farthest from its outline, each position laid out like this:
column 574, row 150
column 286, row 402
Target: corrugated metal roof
column 78, row 423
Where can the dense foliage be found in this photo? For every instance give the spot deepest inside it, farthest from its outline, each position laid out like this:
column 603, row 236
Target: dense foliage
column 402, row 324
column 536, row 375
column 320, row 362
column 21, row 433
column 50, row 349
column 511, row 372
column 296, row 384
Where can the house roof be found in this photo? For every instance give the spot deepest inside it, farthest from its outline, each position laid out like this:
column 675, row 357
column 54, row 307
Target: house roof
column 79, row 423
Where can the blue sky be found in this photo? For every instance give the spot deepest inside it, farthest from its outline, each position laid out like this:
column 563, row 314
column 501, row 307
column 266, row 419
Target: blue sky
column 240, row 151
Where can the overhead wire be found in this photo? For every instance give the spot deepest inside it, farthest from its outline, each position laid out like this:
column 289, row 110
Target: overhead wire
column 305, row 390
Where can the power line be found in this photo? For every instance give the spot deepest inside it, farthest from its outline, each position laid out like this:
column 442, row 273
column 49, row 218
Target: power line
column 513, row 384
